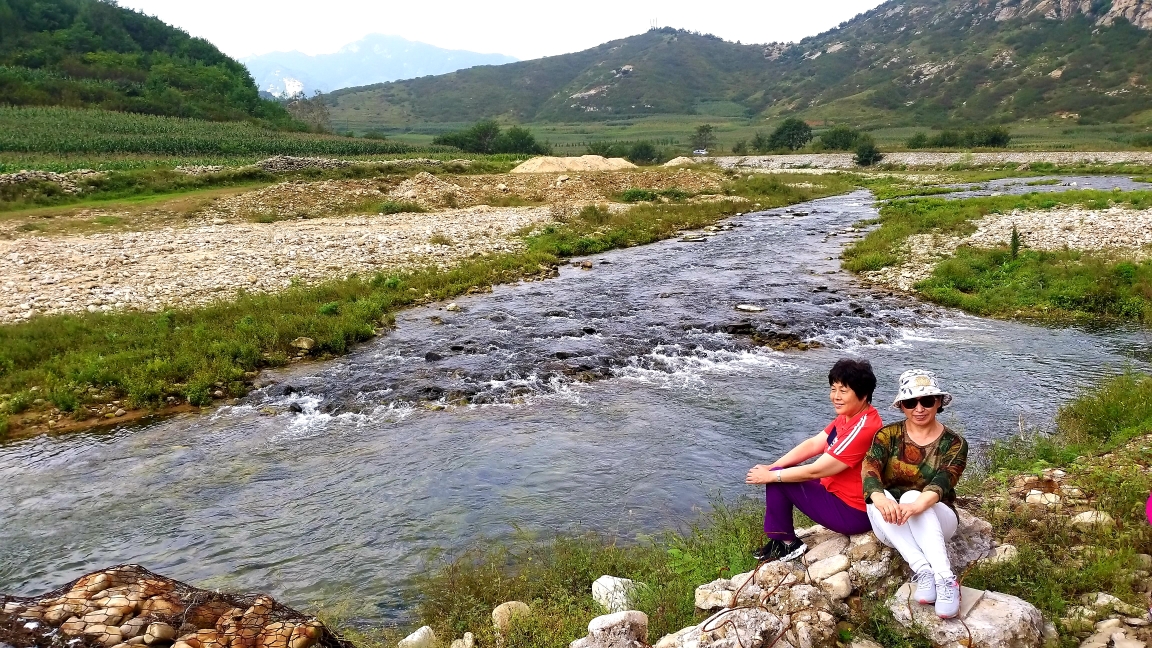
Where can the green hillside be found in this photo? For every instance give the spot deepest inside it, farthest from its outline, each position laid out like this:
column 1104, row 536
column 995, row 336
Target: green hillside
column 923, row 62
column 94, row 54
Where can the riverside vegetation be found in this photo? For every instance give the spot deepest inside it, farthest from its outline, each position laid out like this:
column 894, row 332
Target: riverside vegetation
column 1008, row 281
column 195, row 355
column 1102, row 439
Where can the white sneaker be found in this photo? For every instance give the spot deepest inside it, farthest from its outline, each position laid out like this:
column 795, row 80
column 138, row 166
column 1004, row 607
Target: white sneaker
column 947, row 598
column 925, row 587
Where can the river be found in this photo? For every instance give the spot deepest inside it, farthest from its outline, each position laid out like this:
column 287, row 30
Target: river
column 346, row 499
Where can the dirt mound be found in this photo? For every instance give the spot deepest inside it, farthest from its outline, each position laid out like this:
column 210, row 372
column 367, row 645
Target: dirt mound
column 429, row 191
column 565, row 164
column 680, row 161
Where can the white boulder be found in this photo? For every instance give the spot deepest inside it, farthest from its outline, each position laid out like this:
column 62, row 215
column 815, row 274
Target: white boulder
column 614, row 594
column 996, row 621
column 422, row 638
column 628, row 629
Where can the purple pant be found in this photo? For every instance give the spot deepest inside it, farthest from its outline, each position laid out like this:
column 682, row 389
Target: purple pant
column 814, row 501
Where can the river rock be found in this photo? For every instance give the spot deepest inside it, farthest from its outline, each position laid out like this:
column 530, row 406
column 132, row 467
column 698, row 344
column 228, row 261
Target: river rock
column 863, row 642
column 830, row 547
column 822, row 569
column 422, row 638
column 1089, row 520
column 717, row 594
column 997, row 621
column 467, row 642
column 304, row 343
column 504, row 613
column 863, row 546
column 612, row 593
column 1002, row 554
column 628, row 629
column 743, row 627
column 158, row 632
column 838, row 586
column 972, row 541
column 1103, row 603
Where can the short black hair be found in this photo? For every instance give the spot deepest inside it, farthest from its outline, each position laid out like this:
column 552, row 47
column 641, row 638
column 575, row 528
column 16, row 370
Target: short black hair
column 856, row 374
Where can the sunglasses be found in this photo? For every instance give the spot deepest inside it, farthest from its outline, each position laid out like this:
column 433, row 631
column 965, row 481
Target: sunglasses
column 926, row 401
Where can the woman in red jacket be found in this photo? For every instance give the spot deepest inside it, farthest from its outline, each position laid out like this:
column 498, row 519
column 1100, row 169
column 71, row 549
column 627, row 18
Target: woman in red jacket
column 829, row 489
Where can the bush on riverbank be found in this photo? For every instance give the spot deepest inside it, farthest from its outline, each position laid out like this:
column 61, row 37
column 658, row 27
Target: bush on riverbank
column 1040, row 283
column 188, row 355
column 1102, row 441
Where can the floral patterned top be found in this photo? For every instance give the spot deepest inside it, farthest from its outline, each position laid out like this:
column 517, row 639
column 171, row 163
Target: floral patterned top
column 896, row 464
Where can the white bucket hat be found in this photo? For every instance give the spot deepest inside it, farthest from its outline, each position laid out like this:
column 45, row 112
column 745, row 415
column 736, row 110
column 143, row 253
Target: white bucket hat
column 915, row 383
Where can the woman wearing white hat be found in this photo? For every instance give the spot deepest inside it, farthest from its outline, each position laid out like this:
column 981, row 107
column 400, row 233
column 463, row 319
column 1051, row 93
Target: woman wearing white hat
column 910, row 475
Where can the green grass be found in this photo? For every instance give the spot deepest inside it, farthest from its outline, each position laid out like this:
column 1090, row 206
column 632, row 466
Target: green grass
column 398, row 207
column 1046, row 181
column 1114, row 418
column 1063, row 283
column 900, row 219
column 554, row 577
column 183, row 353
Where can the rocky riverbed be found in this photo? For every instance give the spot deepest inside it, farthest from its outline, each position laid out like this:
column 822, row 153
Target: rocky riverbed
column 262, row 240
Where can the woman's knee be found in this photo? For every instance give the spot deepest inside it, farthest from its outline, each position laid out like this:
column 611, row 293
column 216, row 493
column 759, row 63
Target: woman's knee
column 909, row 496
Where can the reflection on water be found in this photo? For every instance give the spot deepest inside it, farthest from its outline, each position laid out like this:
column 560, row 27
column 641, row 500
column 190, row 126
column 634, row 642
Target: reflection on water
column 345, row 499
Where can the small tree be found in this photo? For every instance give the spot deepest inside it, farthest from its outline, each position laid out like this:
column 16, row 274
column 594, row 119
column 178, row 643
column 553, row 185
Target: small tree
column 740, row 147
column 761, row 143
column 867, row 152
column 840, row 138
column 1014, row 245
column 918, row 141
column 643, row 153
column 704, row 137
column 792, row 134
column 312, row 112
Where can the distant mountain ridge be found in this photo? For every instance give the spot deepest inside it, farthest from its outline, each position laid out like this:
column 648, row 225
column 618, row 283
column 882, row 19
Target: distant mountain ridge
column 906, row 61
column 374, row 59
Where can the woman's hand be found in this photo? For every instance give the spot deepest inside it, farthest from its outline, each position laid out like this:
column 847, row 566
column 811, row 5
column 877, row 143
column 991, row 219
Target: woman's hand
column 761, row 474
column 922, row 503
column 889, row 510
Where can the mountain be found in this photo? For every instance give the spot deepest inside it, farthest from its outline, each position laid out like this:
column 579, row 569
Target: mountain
column 907, row 61
column 92, row 53
column 373, row 59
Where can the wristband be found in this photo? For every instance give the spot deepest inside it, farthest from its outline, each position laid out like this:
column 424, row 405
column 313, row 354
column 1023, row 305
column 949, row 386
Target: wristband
column 779, row 476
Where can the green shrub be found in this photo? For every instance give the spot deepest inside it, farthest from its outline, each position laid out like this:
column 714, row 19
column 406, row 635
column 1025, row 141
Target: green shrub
column 761, row 143
column 918, row 141
column 840, row 138
column 64, row 399
column 399, row 207
column 1143, row 140
column 674, row 193
column 595, row 214
column 792, row 134
column 331, row 308
column 643, row 153
column 1112, row 413
column 867, row 153
column 637, row 195
column 487, row 137
column 20, row 402
column 608, row 149
column 740, row 147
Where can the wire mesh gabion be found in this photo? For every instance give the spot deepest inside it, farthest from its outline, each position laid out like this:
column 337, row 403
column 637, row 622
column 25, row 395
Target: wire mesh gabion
column 128, row 605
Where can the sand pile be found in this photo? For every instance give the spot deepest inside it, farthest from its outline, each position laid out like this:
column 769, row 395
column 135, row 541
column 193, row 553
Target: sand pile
column 680, row 161
column 564, row 164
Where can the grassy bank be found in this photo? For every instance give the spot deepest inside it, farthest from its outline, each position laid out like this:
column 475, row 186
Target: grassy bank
column 996, row 282
column 1062, row 283
column 177, row 356
column 1102, row 440
column 555, row 575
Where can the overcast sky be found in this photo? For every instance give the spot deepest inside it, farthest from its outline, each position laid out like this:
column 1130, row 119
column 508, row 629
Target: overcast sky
column 521, row 28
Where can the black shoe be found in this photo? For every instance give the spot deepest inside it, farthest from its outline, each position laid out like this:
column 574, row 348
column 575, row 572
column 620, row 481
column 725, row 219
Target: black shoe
column 778, row 550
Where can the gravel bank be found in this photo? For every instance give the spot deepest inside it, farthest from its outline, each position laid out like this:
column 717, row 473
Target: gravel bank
column 1116, row 229
column 201, row 264
column 932, row 160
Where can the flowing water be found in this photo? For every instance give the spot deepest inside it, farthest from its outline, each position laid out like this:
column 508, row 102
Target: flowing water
column 339, row 480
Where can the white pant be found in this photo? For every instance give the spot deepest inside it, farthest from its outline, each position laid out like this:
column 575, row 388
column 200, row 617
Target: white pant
column 921, row 539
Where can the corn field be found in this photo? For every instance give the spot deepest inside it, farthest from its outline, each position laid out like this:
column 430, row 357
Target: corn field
column 63, row 131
